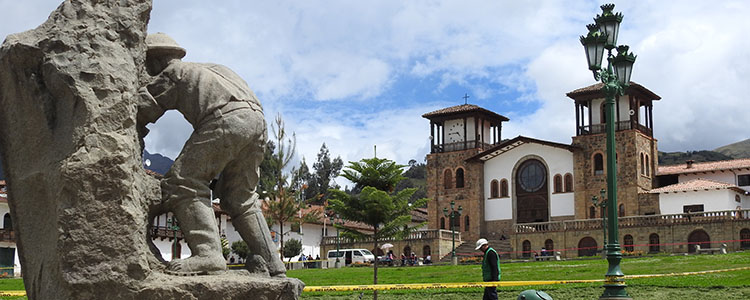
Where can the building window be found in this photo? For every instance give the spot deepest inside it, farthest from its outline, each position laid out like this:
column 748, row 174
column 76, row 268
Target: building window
column 526, row 249
column 558, row 183
column 743, row 180
column 447, row 179
column 494, row 190
column 621, row 211
column 592, row 212
column 442, row 223
column 7, row 224
column 643, row 165
column 598, row 164
column 459, row 178
column 568, row 183
column 532, row 176
column 737, row 198
column 692, row 208
column 745, row 238
column 587, row 246
column 648, row 166
column 653, row 243
column 628, row 242
column 466, row 223
column 503, row 188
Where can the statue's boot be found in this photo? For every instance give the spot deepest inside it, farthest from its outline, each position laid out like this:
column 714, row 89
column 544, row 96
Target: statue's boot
column 254, row 231
column 196, row 221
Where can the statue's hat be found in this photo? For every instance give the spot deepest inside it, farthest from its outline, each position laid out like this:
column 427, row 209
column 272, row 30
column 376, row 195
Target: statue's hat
column 163, row 43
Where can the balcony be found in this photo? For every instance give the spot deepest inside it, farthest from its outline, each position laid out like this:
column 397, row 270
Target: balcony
column 164, row 232
column 459, row 146
column 619, row 126
column 636, row 221
column 440, row 234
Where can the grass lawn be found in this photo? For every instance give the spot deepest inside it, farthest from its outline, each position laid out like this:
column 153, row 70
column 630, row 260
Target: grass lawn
column 726, row 285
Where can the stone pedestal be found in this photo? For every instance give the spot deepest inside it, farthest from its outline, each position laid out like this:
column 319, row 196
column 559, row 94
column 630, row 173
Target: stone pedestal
column 79, row 198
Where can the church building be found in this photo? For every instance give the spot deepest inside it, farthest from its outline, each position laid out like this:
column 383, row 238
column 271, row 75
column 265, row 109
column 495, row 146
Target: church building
column 536, row 194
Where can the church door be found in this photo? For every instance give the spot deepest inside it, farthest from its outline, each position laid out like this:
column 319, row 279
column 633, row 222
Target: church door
column 531, row 192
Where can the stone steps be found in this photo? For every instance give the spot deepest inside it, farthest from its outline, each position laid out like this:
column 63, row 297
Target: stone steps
column 466, row 249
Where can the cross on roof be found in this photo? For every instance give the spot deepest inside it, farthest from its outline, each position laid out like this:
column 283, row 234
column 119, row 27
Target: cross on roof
column 466, row 98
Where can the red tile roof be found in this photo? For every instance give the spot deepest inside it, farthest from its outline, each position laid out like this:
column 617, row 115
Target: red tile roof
column 698, row 184
column 595, row 91
column 705, row 167
column 463, row 108
column 508, row 145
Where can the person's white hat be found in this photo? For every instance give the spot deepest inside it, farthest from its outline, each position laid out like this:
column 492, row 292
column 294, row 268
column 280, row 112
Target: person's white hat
column 480, row 243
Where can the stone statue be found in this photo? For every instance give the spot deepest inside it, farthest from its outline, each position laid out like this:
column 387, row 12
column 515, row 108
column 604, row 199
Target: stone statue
column 228, row 140
column 73, row 107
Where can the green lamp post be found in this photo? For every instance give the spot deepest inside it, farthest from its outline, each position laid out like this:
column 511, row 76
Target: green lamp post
column 338, row 241
column 615, row 79
column 452, row 215
column 172, row 225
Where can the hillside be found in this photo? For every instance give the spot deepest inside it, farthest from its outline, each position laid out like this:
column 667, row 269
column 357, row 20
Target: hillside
column 736, row 150
column 159, row 163
column 728, row 152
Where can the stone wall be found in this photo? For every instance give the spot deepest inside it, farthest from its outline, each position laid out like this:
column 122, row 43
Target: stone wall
column 673, row 237
column 630, row 182
column 470, row 197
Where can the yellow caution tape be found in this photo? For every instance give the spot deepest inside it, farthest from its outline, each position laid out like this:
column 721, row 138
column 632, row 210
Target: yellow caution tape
column 420, row 286
column 12, row 293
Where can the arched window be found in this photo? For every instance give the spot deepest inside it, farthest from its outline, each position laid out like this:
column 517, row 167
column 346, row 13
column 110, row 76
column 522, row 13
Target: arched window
column 442, row 223
column 598, row 164
column 494, row 189
column 621, row 211
column 466, row 223
column 426, row 250
column 503, row 188
column 447, row 179
column 526, row 249
column 407, row 250
column 648, row 165
column 7, row 224
column 568, row 183
column 549, row 245
column 627, row 241
column 643, row 165
column 653, row 243
column 558, row 183
column 592, row 212
column 745, row 238
column 459, row 178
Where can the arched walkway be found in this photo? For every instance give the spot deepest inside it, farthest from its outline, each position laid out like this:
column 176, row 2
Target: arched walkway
column 587, row 247
column 698, row 237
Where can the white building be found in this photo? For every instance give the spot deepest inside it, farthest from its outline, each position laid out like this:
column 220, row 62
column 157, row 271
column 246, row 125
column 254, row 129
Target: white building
column 10, row 265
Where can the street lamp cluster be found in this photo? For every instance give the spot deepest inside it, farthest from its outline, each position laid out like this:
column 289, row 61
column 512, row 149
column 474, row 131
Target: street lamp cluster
column 603, row 35
column 452, row 216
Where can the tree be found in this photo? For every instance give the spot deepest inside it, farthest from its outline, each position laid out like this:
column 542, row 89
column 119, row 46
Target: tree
column 325, row 170
column 292, row 248
column 283, row 204
column 240, row 248
column 388, row 214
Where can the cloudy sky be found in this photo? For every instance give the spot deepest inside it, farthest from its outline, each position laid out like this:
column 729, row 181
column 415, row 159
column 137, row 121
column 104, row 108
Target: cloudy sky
column 355, row 74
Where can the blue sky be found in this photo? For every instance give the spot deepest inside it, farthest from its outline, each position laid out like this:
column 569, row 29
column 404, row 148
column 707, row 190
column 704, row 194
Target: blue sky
column 354, row 74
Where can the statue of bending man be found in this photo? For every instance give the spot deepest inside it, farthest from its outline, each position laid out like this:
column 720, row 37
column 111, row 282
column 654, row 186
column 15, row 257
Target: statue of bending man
column 228, row 140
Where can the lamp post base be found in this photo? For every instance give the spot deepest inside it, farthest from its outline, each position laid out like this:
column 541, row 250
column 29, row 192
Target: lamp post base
column 454, row 260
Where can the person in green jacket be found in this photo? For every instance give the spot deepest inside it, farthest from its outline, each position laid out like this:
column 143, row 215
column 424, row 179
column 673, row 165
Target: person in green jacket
column 490, row 268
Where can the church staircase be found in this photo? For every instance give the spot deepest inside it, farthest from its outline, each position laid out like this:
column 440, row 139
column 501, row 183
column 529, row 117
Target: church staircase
column 466, row 249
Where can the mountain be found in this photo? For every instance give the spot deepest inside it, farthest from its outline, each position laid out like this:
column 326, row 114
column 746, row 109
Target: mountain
column 673, row 158
column 158, row 163
column 736, row 150
column 728, row 152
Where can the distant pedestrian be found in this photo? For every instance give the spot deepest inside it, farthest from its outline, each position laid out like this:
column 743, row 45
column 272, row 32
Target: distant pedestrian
column 403, row 259
column 490, row 268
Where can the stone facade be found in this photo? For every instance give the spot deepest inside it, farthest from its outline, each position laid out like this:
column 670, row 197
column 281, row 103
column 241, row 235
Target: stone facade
column 470, row 197
column 631, row 179
column 672, row 237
